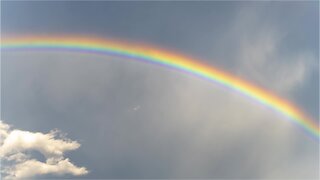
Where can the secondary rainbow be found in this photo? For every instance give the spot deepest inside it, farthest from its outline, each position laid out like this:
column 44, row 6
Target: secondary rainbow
column 175, row 61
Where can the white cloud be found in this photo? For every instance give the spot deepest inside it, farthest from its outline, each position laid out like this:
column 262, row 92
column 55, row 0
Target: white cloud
column 17, row 143
column 32, row 167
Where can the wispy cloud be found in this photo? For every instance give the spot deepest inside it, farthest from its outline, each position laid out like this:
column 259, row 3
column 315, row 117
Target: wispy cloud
column 260, row 52
column 16, row 146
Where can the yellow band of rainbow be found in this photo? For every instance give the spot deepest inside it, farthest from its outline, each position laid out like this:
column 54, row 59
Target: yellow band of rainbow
column 173, row 60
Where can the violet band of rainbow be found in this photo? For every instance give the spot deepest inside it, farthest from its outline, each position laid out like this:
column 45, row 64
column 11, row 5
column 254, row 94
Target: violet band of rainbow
column 151, row 54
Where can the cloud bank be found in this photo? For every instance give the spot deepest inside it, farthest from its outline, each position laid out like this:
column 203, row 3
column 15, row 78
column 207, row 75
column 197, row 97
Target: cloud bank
column 17, row 145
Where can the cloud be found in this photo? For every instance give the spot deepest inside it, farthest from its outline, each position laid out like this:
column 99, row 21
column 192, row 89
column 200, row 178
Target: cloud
column 17, row 144
column 33, row 167
column 261, row 55
column 18, row 141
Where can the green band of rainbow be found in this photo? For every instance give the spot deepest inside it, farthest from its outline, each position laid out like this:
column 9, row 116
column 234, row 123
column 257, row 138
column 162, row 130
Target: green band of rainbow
column 173, row 60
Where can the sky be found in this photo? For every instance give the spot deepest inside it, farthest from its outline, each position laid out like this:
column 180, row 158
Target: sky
column 75, row 115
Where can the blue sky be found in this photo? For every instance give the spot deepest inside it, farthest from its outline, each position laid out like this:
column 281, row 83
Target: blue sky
column 134, row 120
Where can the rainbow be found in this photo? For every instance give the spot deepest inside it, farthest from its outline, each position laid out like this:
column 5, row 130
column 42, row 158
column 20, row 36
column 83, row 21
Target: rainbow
column 152, row 54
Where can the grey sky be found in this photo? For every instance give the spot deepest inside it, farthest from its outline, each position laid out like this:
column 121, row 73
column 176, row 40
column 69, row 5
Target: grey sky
column 184, row 127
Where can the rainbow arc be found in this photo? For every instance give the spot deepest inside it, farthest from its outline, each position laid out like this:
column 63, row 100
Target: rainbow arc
column 152, row 54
